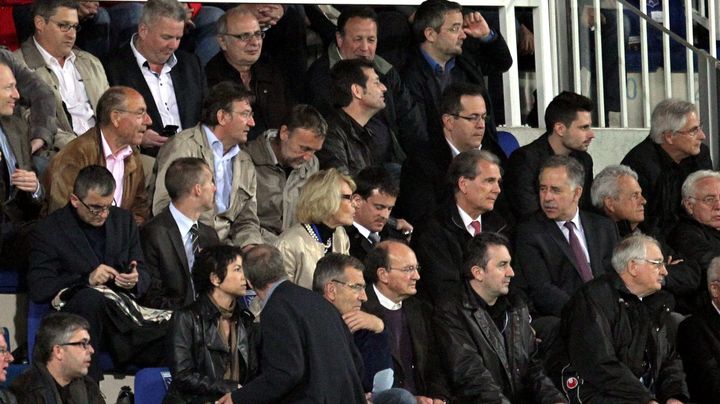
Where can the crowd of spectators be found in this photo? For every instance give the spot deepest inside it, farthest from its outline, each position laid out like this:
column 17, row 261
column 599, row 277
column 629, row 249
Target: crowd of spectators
column 148, row 189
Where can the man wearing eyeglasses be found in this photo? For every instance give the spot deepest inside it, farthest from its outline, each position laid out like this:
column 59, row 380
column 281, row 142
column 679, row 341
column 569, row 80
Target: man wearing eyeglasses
column 76, row 77
column 613, row 344
column 63, row 352
column 171, row 80
column 568, row 132
column 122, row 122
column 392, row 272
column 672, row 151
column 241, row 41
column 6, row 358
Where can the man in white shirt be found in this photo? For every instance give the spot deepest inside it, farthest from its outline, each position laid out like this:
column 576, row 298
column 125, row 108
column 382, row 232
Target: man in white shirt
column 76, row 77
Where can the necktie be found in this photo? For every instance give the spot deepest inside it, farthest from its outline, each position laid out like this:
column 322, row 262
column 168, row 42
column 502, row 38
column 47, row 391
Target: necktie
column 476, row 226
column 583, row 265
column 194, row 235
column 374, row 238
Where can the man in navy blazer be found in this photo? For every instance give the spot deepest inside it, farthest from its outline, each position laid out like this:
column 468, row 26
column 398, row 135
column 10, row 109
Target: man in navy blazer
column 560, row 248
column 172, row 81
column 168, row 240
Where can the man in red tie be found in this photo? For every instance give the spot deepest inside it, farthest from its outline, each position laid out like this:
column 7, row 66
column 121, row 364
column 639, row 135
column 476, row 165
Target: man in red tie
column 440, row 242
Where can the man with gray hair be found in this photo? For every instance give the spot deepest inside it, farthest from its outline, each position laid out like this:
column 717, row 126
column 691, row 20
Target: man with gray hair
column 60, row 365
column 672, row 151
column 560, row 247
column 474, row 176
column 171, row 80
column 617, row 193
column 614, row 333
column 699, row 343
column 299, row 328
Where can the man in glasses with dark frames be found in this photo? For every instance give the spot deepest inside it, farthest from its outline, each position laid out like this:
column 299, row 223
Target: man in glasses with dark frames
column 122, row 122
column 391, row 273
column 241, row 41
column 86, row 259
column 673, row 149
column 568, row 132
column 63, row 351
column 76, row 77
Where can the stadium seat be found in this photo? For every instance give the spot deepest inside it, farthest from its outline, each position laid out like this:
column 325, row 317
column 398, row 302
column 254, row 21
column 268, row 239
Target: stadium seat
column 151, row 384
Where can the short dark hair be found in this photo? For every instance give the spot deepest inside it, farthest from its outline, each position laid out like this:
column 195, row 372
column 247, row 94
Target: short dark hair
column 575, row 170
column 465, row 165
column 476, row 251
column 450, row 101
column 332, row 266
column 303, row 116
column 113, row 98
column 56, row 329
column 212, row 260
column 564, row 109
column 182, row 175
column 221, row 97
column 363, row 12
column 375, row 177
column 263, row 265
column 431, row 13
column 94, row 178
column 378, row 257
column 344, row 74
column 48, row 8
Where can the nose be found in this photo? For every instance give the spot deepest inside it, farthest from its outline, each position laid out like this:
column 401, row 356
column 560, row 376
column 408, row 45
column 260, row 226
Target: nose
column 251, row 122
column 462, row 34
column 362, row 296
column 14, row 94
column 643, row 201
column 510, row 272
column 701, row 134
column 383, row 88
column 545, row 196
column 91, row 349
column 416, row 275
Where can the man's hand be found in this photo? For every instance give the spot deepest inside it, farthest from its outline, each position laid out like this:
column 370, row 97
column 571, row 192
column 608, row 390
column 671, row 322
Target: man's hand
column 129, row 280
column 673, row 401
column 403, row 226
column 36, row 144
column 526, row 45
column 423, row 400
column 226, row 399
column 475, row 26
column 153, row 139
column 87, row 9
column 102, row 274
column 266, row 14
column 25, row 180
column 359, row 320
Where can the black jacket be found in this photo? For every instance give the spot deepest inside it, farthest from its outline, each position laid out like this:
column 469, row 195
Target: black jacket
column 199, row 356
column 521, row 176
column 6, row 397
column 698, row 342
column 695, row 241
column 606, row 332
column 661, row 179
column 487, row 365
column 430, row 380
column 440, row 244
column 37, row 386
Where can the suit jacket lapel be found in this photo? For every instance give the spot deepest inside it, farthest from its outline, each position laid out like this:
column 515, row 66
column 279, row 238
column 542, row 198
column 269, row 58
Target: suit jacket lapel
column 559, row 238
column 173, row 234
column 177, row 78
column 592, row 245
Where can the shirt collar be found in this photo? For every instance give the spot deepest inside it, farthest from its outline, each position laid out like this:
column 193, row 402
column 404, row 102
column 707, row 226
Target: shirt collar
column 122, row 154
column 142, row 60
column 466, row 218
column 435, row 66
column 575, row 220
column 217, row 145
column 183, row 222
column 385, row 302
column 50, row 59
column 365, row 232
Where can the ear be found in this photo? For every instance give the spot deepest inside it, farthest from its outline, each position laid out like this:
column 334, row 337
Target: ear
column 382, row 275
column 220, row 116
column 338, row 39
column 430, row 34
column 477, row 273
column 357, row 199
column 448, row 121
column 462, row 184
column 715, row 290
column 559, row 128
column 215, row 280
column 669, row 137
column 222, row 42
column 57, row 352
column 197, row 189
column 633, row 268
column 74, row 201
column 39, row 23
column 330, row 291
column 688, row 205
column 284, row 133
column 578, row 192
column 142, row 30
column 115, row 118
column 357, row 91
column 609, row 204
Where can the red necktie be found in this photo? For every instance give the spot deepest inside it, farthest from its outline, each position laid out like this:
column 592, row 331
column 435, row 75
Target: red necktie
column 476, row 226
column 583, row 265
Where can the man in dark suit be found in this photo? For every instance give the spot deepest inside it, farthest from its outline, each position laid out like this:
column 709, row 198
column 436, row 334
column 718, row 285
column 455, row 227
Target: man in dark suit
column 698, row 342
column 172, row 238
column 568, row 120
column 20, row 191
column 171, row 81
column 307, row 351
column 374, row 199
column 560, row 247
column 392, row 272
column 86, row 259
column 423, row 182
column 440, row 242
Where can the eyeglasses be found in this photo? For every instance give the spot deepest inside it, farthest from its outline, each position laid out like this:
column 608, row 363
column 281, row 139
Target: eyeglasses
column 246, row 36
column 406, row 270
column 474, row 118
column 244, row 114
column 346, row 196
column 65, row 27
column 658, row 263
column 692, row 132
column 4, row 351
column 356, row 287
column 97, row 210
column 84, row 344
column 709, row 200
column 139, row 113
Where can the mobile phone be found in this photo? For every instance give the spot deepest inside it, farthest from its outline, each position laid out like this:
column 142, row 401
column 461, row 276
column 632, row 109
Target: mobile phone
column 168, row 130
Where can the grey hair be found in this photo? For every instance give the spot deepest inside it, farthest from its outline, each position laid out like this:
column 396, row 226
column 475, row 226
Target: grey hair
column 669, row 115
column 154, row 9
column 575, row 170
column 465, row 165
column 713, row 272
column 605, row 183
column 688, row 187
column 630, row 248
